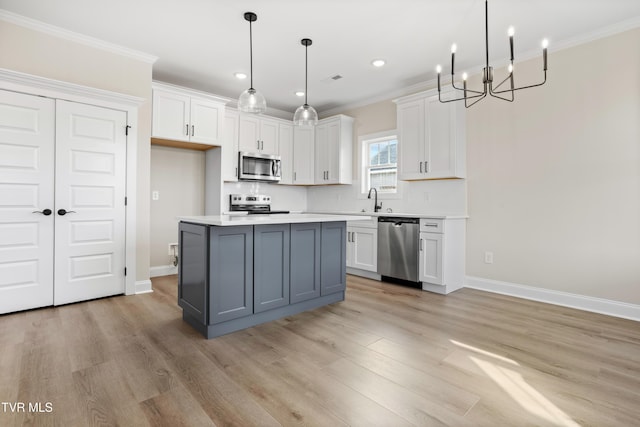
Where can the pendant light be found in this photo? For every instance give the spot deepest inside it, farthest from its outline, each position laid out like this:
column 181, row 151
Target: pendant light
column 305, row 115
column 251, row 101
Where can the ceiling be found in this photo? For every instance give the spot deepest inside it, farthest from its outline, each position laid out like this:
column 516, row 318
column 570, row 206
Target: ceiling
column 201, row 43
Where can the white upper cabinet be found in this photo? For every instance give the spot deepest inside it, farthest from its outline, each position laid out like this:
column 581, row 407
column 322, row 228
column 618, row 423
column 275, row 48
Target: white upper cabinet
column 303, row 155
column 230, row 146
column 258, row 134
column 286, row 152
column 431, row 138
column 186, row 115
column 334, row 150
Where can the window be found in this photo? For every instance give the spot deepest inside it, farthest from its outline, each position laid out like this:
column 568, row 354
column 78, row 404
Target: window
column 380, row 164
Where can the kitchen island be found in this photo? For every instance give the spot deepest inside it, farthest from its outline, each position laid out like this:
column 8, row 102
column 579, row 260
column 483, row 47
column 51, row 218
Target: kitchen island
column 239, row 271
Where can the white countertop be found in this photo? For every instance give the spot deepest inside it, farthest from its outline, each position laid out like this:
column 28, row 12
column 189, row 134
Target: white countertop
column 230, row 220
column 398, row 214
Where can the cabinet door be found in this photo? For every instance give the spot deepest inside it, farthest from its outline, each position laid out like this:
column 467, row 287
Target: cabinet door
column 303, row 155
column 305, row 261
column 285, row 136
column 193, row 275
column 230, row 273
column 170, row 115
column 230, row 146
column 333, row 258
column 206, row 121
column 332, row 154
column 441, row 139
column 321, row 153
column 431, row 267
column 364, row 244
column 249, row 134
column 270, row 266
column 269, row 136
column 411, row 153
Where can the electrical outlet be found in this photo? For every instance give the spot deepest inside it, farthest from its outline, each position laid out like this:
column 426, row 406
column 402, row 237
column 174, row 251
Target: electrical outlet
column 488, row 257
column 155, row 195
column 172, row 248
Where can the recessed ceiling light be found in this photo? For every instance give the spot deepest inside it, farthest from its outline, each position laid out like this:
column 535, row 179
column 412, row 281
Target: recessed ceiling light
column 299, row 93
column 378, row 62
column 240, row 76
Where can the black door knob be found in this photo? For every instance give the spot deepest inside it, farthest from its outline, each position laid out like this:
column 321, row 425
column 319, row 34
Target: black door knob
column 45, row 212
column 63, row 212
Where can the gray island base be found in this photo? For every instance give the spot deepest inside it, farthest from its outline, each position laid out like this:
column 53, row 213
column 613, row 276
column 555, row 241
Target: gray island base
column 236, row 273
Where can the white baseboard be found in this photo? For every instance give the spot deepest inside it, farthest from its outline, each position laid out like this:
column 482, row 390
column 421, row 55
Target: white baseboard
column 581, row 302
column 162, row 270
column 143, row 286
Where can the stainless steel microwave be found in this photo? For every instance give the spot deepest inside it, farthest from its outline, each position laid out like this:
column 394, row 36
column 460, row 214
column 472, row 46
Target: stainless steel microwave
column 259, row 167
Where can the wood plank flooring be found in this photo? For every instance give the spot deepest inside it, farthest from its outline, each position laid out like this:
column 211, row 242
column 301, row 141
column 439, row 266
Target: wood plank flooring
column 387, row 356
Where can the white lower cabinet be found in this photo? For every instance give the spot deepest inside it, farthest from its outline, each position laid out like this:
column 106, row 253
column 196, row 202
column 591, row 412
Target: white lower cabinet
column 362, row 247
column 441, row 254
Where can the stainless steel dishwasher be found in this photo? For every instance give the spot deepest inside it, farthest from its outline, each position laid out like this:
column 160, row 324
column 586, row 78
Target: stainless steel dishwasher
column 398, row 247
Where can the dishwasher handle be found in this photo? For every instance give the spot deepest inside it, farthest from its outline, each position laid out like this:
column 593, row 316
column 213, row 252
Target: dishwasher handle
column 398, row 220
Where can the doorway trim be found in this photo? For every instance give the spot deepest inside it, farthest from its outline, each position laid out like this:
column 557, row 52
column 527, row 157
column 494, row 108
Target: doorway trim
column 41, row 86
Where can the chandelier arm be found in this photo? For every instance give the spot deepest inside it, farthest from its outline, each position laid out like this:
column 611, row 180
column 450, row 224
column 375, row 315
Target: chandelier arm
column 482, row 95
column 467, row 89
column 525, row 87
column 509, row 77
column 466, row 105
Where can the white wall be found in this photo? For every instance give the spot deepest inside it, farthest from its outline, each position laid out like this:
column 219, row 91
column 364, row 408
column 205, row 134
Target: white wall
column 177, row 174
column 554, row 178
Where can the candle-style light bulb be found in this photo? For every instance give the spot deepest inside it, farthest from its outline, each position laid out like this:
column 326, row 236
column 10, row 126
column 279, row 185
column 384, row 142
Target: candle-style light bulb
column 464, row 85
column 545, row 43
column 510, row 68
column 438, row 70
column 454, row 47
column 511, row 31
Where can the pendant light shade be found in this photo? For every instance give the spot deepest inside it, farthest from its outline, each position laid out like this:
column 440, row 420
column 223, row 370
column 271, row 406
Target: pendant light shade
column 251, row 101
column 305, row 115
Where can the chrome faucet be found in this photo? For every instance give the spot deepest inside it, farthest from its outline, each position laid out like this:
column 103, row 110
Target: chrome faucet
column 376, row 207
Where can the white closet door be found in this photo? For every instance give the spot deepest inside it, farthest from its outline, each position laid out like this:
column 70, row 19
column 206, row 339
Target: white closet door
column 90, row 187
column 26, row 186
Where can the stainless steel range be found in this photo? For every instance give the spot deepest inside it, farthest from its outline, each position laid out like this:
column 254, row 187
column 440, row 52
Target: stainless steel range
column 252, row 204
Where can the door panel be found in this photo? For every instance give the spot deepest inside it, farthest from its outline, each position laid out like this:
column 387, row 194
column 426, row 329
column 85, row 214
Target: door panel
column 90, row 186
column 26, row 187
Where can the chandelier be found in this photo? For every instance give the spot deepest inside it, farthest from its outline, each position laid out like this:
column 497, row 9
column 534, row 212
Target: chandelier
column 470, row 96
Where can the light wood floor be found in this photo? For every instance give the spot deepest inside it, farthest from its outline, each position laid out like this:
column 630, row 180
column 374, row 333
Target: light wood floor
column 387, row 356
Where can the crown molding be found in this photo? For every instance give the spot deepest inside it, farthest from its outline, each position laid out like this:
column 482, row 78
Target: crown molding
column 22, row 82
column 52, row 30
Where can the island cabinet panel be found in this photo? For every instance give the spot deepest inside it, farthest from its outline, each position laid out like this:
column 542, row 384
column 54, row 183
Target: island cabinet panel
column 231, row 273
column 193, row 274
column 333, row 258
column 270, row 266
column 305, row 261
